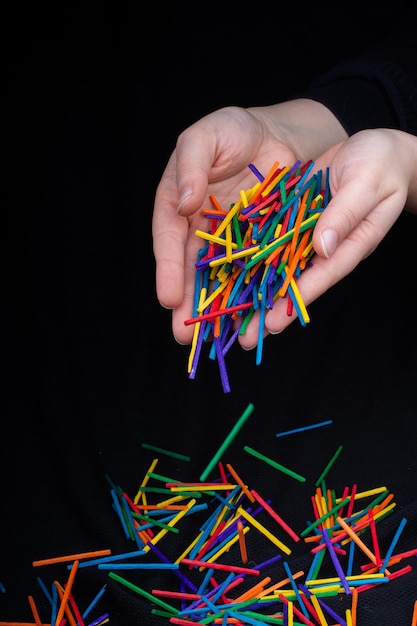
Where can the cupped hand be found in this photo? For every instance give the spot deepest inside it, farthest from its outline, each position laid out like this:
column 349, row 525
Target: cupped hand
column 211, row 158
column 373, row 177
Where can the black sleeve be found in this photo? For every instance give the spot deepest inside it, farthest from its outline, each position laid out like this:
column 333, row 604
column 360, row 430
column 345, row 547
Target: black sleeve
column 378, row 88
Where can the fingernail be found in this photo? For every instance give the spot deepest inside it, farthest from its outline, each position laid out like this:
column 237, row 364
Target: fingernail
column 185, row 194
column 328, row 241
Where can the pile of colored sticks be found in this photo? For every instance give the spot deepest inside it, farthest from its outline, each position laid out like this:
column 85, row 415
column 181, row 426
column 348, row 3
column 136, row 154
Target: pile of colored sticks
column 252, row 256
column 213, row 573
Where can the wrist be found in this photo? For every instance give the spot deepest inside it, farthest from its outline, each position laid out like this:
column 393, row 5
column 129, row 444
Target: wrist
column 306, row 126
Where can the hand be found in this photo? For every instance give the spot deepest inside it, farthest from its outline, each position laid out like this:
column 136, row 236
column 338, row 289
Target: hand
column 211, row 158
column 373, row 177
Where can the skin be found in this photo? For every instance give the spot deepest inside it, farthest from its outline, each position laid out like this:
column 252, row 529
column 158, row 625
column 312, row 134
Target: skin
column 373, row 178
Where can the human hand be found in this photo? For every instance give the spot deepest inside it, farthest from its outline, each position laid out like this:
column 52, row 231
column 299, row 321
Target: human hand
column 211, row 159
column 373, row 177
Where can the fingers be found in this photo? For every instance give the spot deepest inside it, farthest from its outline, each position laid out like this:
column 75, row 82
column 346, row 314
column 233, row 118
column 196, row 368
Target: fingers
column 170, row 225
column 315, row 281
column 369, row 188
column 206, row 157
column 195, row 154
column 169, row 233
column 180, row 194
column 367, row 183
column 355, row 200
column 324, row 273
column 312, row 283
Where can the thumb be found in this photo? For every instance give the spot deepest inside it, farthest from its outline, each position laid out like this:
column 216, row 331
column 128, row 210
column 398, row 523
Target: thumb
column 353, row 197
column 192, row 188
column 194, row 154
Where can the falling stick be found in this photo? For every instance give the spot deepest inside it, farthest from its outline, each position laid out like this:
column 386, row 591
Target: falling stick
column 274, row 464
column 329, row 465
column 226, row 443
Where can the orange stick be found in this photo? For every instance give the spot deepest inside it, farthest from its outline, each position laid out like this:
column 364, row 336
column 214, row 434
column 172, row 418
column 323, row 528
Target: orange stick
column 168, row 507
column 330, row 505
column 240, row 482
column 359, row 542
column 414, row 620
column 228, row 289
column 71, row 618
column 300, row 215
column 281, row 583
column 254, row 591
column 266, row 181
column 242, row 542
column 34, row 611
column 272, row 258
column 65, row 595
column 293, row 265
column 72, row 557
column 216, row 204
column 354, row 607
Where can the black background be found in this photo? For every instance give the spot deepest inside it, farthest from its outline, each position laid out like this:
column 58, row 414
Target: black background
column 94, row 98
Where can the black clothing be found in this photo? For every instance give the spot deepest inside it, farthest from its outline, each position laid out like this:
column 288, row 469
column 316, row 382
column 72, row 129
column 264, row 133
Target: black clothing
column 378, row 88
